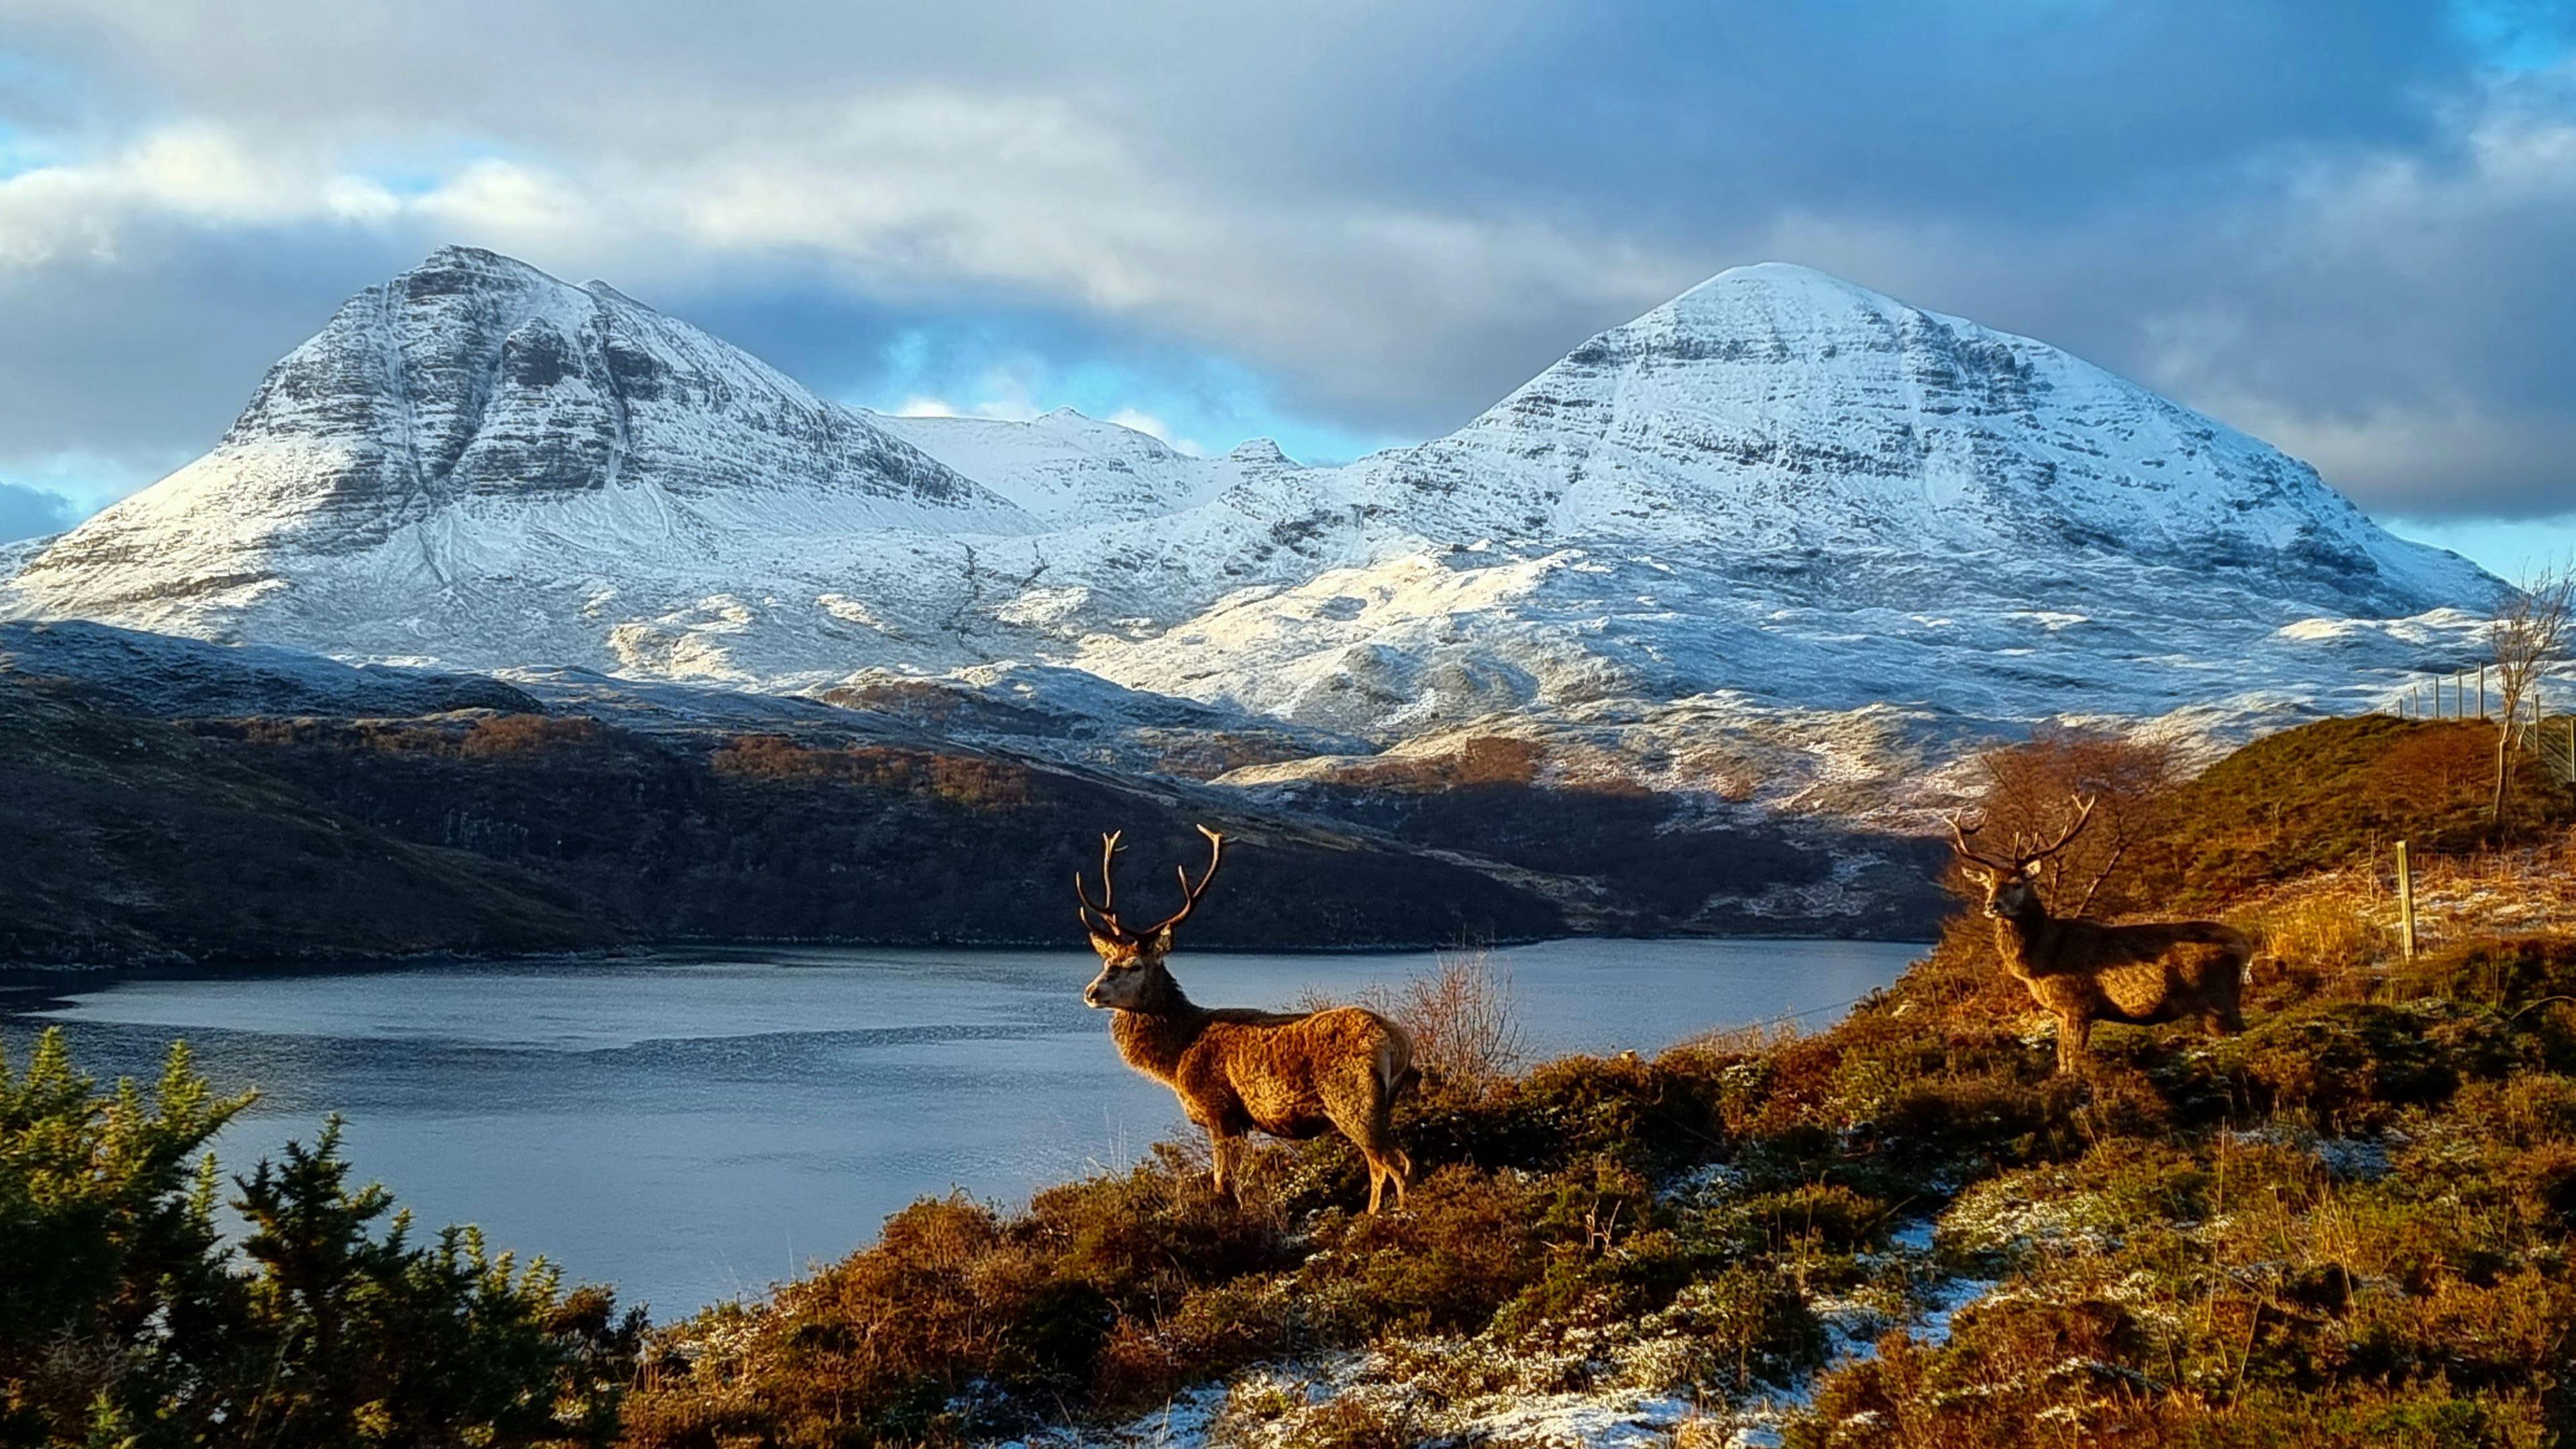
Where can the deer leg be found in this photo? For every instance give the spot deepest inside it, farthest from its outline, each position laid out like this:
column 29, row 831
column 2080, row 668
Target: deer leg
column 1367, row 1128
column 1222, row 1147
column 2074, row 1036
column 1398, row 1163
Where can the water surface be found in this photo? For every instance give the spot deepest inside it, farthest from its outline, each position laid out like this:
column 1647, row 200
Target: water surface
column 692, row 1125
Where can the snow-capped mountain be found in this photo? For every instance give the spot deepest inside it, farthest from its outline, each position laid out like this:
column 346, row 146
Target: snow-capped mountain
column 1779, row 489
column 475, row 425
column 1069, row 470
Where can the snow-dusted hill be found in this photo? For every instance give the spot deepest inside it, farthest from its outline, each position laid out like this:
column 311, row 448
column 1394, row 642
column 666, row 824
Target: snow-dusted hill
column 1069, row 470
column 1777, row 492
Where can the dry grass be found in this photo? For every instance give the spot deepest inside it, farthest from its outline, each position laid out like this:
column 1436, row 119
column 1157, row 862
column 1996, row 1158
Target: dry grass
column 1751, row 1039
column 2347, row 1225
column 2346, row 920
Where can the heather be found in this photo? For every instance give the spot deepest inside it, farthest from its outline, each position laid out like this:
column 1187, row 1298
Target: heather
column 2349, row 1224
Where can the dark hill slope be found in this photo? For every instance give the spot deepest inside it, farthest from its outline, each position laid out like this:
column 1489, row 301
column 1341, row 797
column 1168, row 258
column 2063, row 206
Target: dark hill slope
column 125, row 840
column 128, row 841
column 764, row 836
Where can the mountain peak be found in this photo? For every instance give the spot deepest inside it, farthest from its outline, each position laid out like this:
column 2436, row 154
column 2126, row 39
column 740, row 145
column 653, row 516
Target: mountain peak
column 1778, row 481
column 467, row 260
column 1740, row 293
column 476, row 383
column 1775, row 405
column 1261, row 450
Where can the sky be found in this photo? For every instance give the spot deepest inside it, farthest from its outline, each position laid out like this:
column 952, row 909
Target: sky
column 2344, row 226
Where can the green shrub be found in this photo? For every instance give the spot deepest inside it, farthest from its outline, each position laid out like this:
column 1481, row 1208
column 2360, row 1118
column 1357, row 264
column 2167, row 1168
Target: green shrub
column 125, row 1319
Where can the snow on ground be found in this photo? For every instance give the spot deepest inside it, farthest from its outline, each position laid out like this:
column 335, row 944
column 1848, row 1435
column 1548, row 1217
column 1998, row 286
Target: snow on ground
column 1629, row 1397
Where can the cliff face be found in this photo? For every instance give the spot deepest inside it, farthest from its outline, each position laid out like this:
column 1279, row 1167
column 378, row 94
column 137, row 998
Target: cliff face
column 475, row 397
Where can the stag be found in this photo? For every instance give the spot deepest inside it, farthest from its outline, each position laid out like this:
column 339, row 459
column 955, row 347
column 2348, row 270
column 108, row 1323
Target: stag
column 2084, row 971
column 1237, row 1071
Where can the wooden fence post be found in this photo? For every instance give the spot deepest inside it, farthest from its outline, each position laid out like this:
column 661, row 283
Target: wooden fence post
column 2405, row 902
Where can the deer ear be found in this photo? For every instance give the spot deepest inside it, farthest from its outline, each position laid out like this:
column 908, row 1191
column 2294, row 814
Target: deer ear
column 1162, row 941
column 1107, row 948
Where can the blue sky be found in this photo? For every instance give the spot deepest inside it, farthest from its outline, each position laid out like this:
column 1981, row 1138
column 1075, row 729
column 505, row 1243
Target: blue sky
column 2343, row 227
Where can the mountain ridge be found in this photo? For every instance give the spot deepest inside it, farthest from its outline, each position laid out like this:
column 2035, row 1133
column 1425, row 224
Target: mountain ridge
column 1779, row 486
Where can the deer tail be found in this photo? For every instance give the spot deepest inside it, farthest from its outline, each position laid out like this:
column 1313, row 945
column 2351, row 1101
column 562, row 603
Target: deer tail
column 1395, row 1063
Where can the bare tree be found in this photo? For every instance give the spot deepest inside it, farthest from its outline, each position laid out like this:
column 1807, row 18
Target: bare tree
column 2024, row 804
column 1463, row 1019
column 2531, row 631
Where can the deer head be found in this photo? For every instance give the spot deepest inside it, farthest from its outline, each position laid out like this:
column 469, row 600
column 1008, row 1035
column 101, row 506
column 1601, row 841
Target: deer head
column 1132, row 976
column 2006, row 880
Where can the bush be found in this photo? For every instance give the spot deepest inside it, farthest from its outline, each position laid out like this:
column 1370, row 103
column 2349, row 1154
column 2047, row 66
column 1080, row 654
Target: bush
column 1462, row 1020
column 124, row 1319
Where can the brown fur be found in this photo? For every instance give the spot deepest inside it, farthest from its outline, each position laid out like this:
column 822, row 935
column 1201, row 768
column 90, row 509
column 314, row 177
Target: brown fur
column 1239, row 1071
column 2084, row 971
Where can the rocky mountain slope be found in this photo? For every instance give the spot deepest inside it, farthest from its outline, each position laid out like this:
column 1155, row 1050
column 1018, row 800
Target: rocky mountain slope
column 478, row 448
column 1778, row 490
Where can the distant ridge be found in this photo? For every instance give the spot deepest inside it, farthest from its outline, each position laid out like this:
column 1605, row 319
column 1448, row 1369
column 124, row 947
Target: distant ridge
column 1777, row 491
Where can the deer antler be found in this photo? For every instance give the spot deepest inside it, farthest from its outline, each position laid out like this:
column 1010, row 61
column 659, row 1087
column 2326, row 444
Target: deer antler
column 2066, row 837
column 1190, row 893
column 1108, row 894
column 1959, row 841
column 1108, row 923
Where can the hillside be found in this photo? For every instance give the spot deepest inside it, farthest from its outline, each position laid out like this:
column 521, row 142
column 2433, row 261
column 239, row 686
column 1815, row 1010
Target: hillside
column 130, row 842
column 2350, row 1225
column 2354, row 1224
column 1779, row 492
column 892, row 812
column 232, row 840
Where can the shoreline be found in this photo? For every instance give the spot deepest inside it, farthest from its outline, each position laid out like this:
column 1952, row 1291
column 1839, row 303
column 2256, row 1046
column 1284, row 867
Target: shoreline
column 13, row 973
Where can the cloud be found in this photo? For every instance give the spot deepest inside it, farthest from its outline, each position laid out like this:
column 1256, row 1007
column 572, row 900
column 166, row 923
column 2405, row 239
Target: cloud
column 1155, row 427
column 2336, row 226
column 33, row 512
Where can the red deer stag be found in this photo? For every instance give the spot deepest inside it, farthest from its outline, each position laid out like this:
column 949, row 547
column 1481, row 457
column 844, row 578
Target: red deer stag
column 1290, row 1074
column 2085, row 971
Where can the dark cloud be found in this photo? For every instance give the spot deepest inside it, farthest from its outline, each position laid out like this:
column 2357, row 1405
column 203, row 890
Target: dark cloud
column 2342, row 227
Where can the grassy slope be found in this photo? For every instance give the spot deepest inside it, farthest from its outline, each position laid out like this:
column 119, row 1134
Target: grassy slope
column 2331, row 793
column 2350, row 1225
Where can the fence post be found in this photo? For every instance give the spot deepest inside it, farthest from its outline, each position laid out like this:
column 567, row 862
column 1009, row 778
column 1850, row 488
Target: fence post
column 2405, row 902
column 2482, row 691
